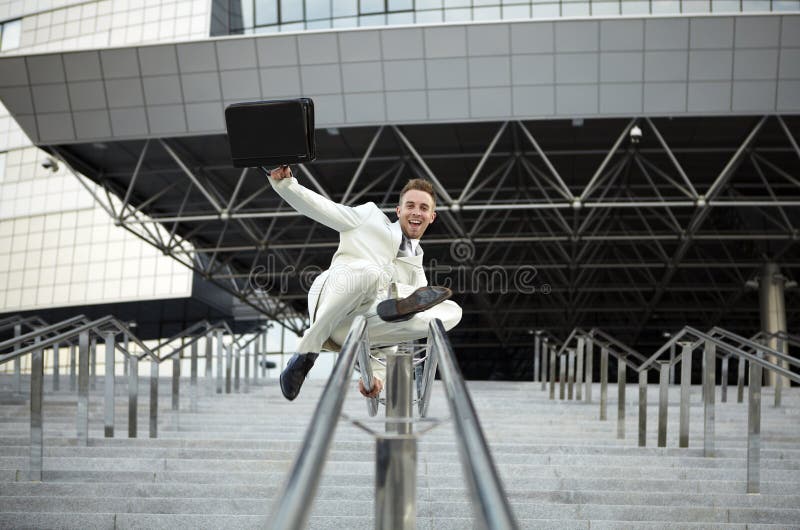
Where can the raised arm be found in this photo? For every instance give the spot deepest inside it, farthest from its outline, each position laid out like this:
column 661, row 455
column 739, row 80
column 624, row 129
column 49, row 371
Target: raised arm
column 311, row 204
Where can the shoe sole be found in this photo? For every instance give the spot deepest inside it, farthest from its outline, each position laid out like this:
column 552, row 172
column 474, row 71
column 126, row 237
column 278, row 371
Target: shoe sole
column 422, row 299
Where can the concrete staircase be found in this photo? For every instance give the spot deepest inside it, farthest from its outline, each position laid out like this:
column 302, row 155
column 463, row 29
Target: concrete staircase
column 562, row 467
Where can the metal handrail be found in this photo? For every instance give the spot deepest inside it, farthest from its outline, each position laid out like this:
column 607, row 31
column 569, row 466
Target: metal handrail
column 87, row 326
column 484, row 481
column 15, row 320
column 754, row 345
column 788, row 337
column 37, row 332
column 292, row 507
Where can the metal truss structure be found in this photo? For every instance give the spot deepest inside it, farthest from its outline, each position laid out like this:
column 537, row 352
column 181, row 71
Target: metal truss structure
column 638, row 226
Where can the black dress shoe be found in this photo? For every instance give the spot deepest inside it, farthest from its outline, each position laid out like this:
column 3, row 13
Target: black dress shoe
column 267, row 364
column 400, row 309
column 294, row 374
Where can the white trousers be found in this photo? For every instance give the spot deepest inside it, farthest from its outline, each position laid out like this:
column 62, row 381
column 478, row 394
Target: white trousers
column 355, row 288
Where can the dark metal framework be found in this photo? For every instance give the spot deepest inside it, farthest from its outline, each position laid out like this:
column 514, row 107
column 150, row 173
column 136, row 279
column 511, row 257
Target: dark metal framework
column 638, row 226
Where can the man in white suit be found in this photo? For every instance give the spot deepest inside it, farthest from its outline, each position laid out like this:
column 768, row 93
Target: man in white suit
column 373, row 253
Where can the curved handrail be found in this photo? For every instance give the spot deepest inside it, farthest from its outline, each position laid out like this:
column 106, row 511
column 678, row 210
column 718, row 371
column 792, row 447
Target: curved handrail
column 484, row 481
column 291, row 508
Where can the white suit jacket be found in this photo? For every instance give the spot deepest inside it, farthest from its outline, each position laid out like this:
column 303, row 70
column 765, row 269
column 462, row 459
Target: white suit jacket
column 365, row 233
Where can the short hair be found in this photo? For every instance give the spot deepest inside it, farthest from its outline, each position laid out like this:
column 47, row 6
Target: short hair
column 420, row 185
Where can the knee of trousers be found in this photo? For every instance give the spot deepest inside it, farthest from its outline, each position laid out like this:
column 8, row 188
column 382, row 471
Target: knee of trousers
column 448, row 312
column 357, row 277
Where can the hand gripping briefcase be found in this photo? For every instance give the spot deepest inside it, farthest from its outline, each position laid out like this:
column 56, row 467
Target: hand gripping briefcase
column 271, row 133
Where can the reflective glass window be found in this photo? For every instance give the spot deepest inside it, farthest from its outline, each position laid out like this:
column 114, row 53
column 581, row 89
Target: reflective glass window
column 318, row 9
column 544, row 9
column 291, row 11
column 786, row 5
column 607, row 7
column 430, row 16
column 516, row 12
column 575, row 8
column 372, row 6
column 428, row 4
column 486, row 13
column 699, row 6
column 372, row 20
column 401, row 5
column 755, row 5
column 666, row 6
column 345, row 22
column 458, row 15
column 11, row 32
column 345, row 8
column 396, row 19
column 266, row 12
column 635, row 7
column 725, row 6
column 247, row 13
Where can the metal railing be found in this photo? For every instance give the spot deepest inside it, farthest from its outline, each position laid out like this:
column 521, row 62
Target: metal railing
column 396, row 449
column 81, row 332
column 717, row 343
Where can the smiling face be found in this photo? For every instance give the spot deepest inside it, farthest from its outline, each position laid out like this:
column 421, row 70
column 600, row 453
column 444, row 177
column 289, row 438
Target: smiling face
column 415, row 213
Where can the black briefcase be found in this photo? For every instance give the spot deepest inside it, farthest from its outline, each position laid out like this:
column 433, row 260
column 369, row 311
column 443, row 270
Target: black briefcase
column 270, row 133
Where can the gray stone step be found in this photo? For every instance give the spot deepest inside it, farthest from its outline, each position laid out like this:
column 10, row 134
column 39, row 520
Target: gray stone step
column 562, row 467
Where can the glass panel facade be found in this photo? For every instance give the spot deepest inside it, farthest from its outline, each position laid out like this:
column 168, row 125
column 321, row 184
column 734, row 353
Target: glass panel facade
column 10, row 33
column 298, row 15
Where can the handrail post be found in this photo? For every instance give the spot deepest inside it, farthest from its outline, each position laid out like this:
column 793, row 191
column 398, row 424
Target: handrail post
column 723, row 398
column 247, row 367
column 552, row 372
column 740, row 380
column 153, row 398
column 264, row 350
column 663, row 401
column 72, row 368
column 686, row 382
column 643, row 408
column 603, row 383
column 56, row 368
column 125, row 365
column 109, row 385
column 193, row 381
column 219, row 361
column 17, row 363
column 778, row 378
column 621, row 382
column 176, row 382
column 228, row 366
column 93, row 361
column 83, row 389
column 537, row 347
column 754, row 428
column 562, row 376
column 237, row 368
column 399, row 390
column 579, row 369
column 395, row 482
column 570, row 373
column 209, row 365
column 133, row 396
column 589, row 349
column 545, row 365
column 37, row 388
column 672, row 364
column 710, row 354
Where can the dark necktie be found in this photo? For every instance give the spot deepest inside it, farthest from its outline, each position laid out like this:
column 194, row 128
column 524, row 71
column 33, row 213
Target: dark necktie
column 406, row 249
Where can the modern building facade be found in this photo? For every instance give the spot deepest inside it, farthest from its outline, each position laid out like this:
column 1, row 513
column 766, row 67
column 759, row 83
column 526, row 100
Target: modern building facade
column 623, row 164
